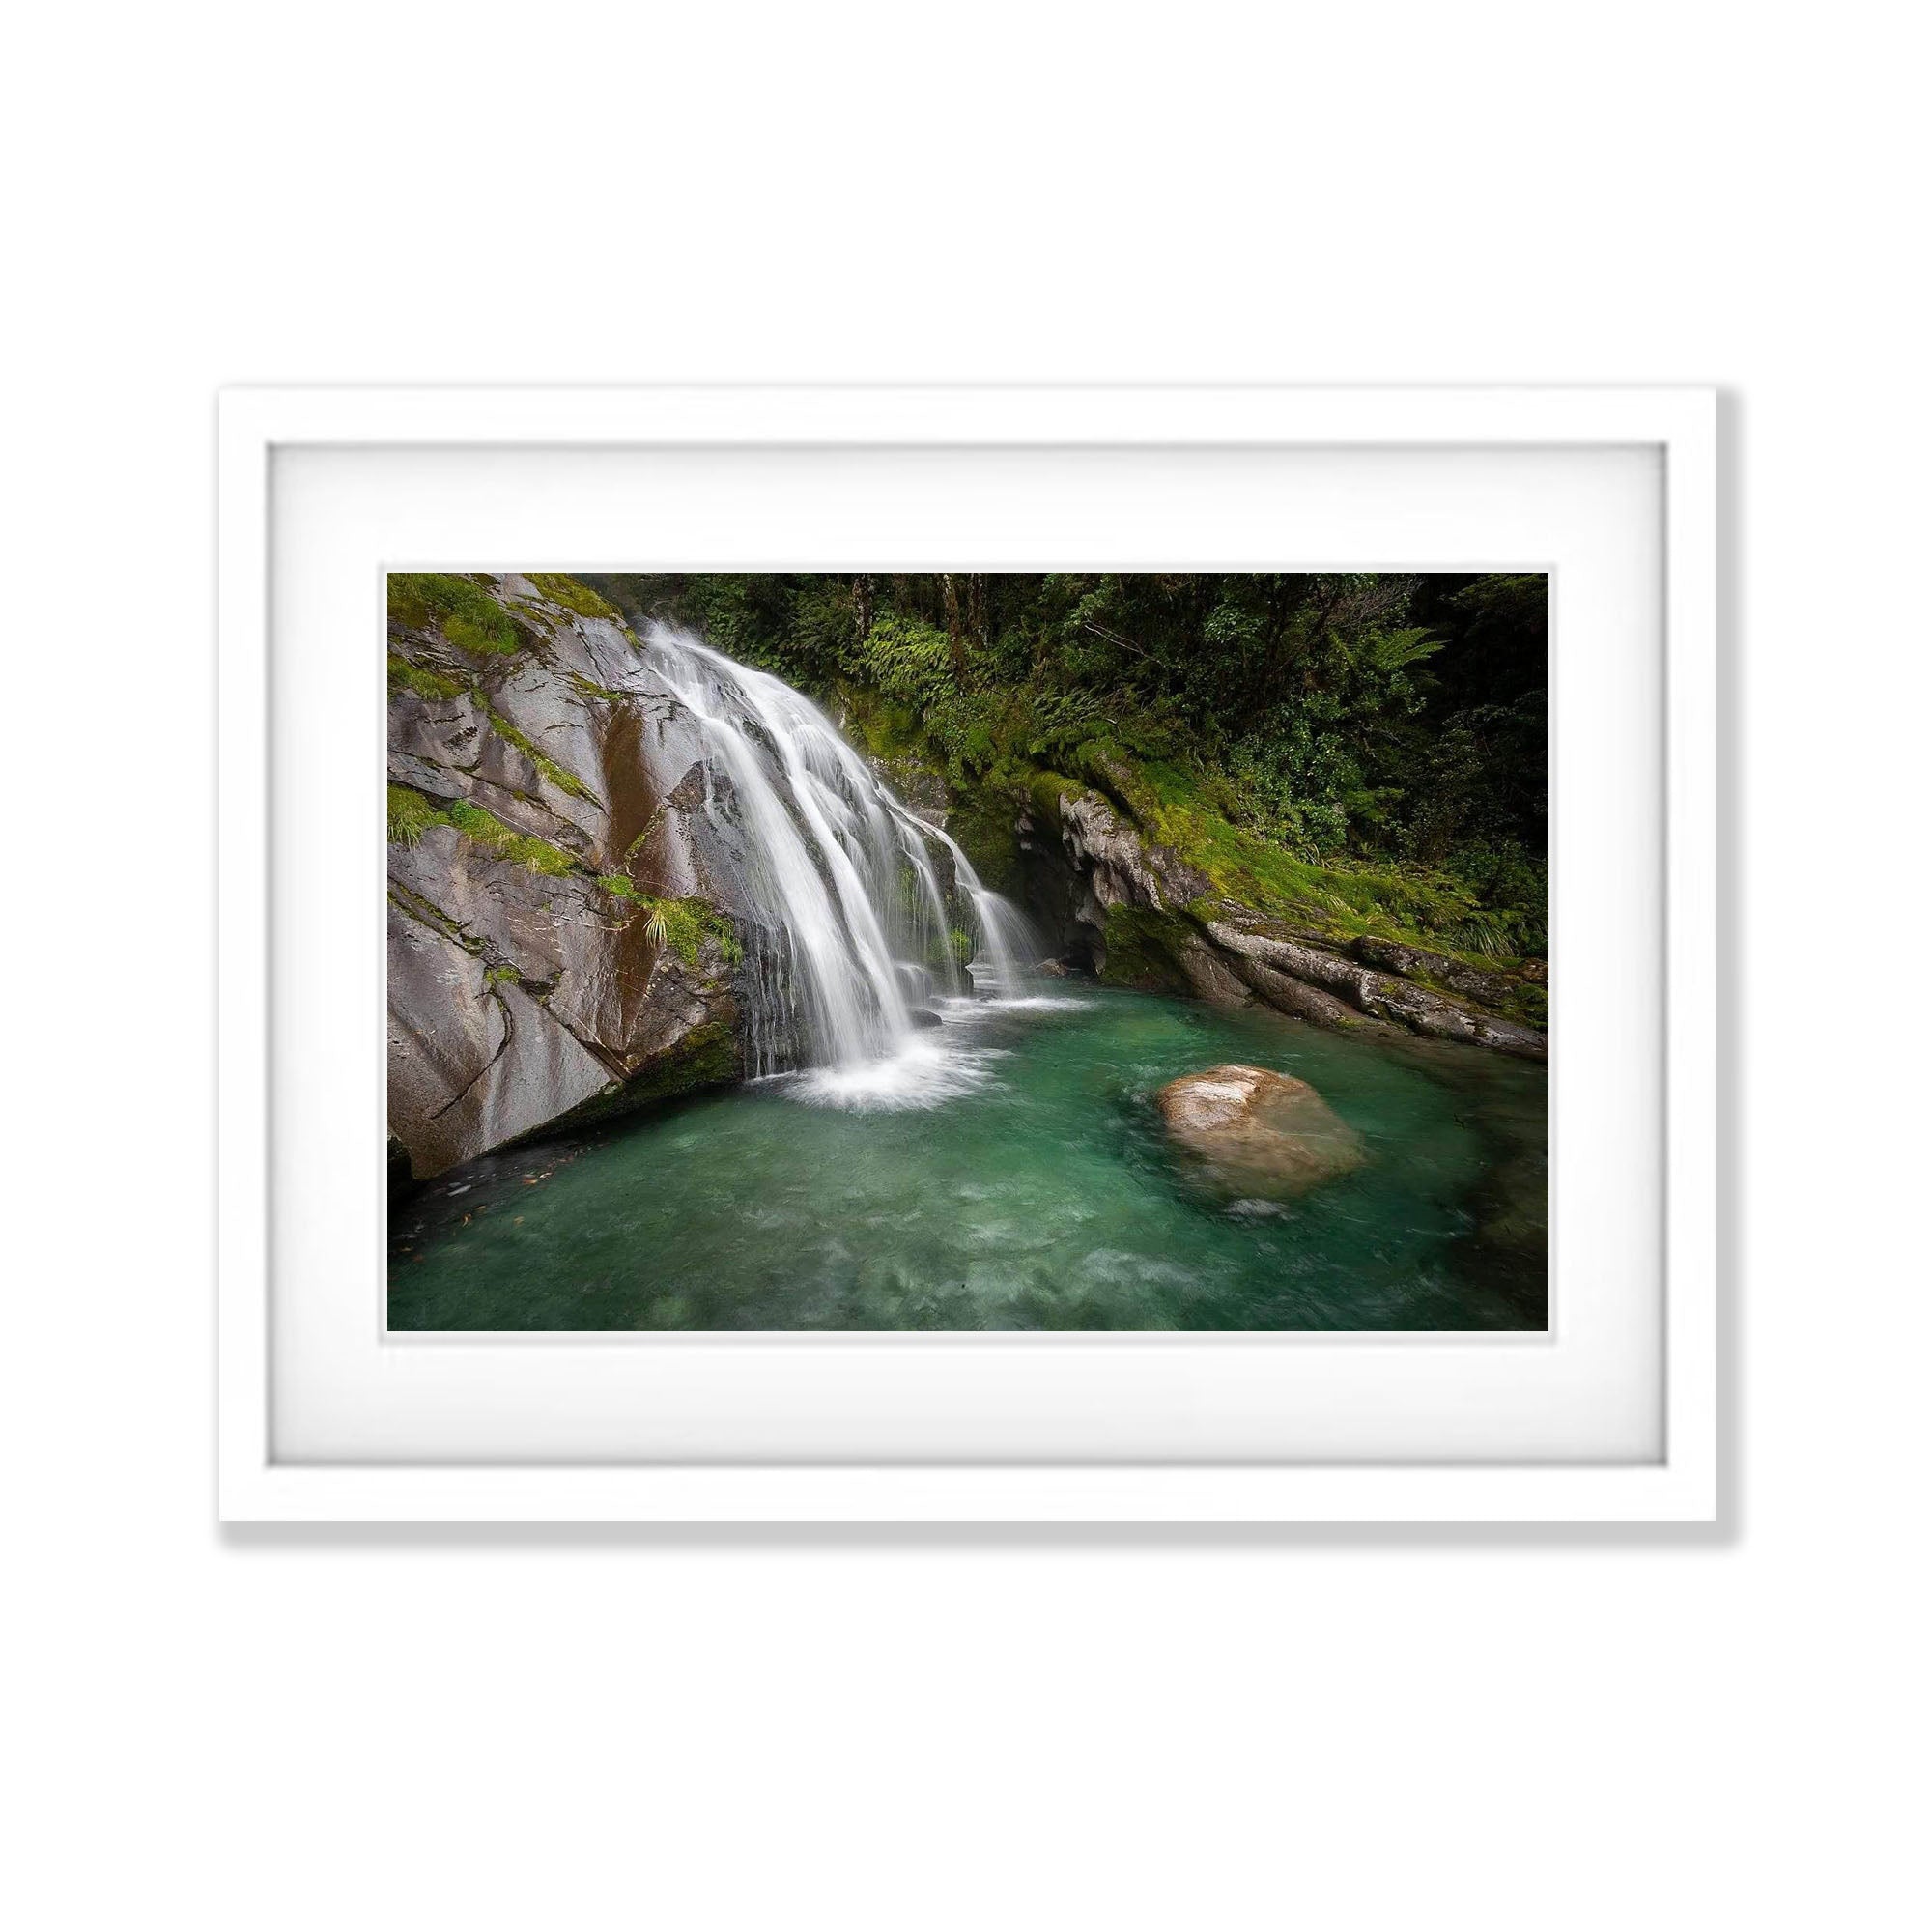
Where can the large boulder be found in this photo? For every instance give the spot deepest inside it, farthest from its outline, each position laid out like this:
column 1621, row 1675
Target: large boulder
column 1258, row 1134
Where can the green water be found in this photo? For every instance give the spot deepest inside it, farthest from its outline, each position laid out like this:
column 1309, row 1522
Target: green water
column 1039, row 1193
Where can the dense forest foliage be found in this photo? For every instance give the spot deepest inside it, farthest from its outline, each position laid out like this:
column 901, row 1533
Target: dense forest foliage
column 1372, row 746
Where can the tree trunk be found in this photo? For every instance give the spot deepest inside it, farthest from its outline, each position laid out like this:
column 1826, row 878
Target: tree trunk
column 949, row 589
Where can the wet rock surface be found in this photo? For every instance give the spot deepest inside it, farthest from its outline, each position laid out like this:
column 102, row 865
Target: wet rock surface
column 1257, row 1134
column 528, row 984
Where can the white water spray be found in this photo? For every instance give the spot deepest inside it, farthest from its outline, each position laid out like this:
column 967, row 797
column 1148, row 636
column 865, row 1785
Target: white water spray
column 858, row 920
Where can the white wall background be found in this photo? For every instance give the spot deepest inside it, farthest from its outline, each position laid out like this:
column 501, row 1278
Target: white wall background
column 419, row 1730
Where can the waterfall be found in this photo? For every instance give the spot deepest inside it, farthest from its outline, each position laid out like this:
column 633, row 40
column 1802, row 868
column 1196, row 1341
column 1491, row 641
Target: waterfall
column 1006, row 945
column 858, row 933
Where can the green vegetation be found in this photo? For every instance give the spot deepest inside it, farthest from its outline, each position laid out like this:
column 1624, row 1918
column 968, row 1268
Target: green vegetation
column 521, row 848
column 590, row 688
column 572, row 595
column 706, row 1056
column 433, row 685
column 1349, row 901
column 460, row 608
column 412, row 813
column 1354, row 752
column 1143, row 950
column 564, row 781
column 682, row 924
column 429, row 683
column 643, row 838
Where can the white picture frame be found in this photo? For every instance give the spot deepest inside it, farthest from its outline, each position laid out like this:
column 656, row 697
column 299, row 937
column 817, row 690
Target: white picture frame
column 1673, row 428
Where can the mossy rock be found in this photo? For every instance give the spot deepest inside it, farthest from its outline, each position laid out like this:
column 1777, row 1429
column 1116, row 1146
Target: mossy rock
column 547, row 766
column 986, row 825
column 412, row 813
column 1143, row 950
column 681, row 924
column 460, row 608
column 1045, row 791
column 574, row 596
column 706, row 1057
column 430, row 685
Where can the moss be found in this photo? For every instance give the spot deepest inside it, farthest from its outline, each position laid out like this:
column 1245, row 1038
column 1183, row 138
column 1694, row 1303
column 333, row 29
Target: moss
column 986, row 827
column 884, row 728
column 590, row 688
column 463, row 610
column 496, row 976
column 1187, row 810
column 682, row 924
column 433, row 685
column 726, row 936
column 425, row 683
column 1334, row 901
column 411, row 815
column 1143, row 950
column 564, row 781
column 643, row 838
column 1045, row 791
column 1036, row 758
column 572, row 595
column 521, row 848
column 707, row 1056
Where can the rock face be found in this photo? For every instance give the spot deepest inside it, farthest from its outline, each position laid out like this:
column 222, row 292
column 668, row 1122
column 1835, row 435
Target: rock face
column 564, row 926
column 1258, row 1134
column 1143, row 917
column 1119, row 867
column 1265, row 953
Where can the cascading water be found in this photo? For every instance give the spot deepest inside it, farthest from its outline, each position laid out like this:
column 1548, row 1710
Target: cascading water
column 1006, row 945
column 859, row 936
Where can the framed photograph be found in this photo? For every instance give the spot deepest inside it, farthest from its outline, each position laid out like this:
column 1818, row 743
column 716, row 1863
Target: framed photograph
column 968, row 954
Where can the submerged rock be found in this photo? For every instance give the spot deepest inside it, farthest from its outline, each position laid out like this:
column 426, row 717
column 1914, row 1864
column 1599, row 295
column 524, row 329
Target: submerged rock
column 1258, row 1135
